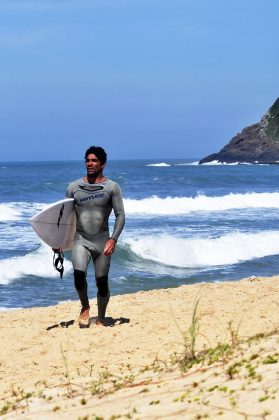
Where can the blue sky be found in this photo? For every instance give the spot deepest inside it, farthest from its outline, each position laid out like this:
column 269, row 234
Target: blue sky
column 142, row 78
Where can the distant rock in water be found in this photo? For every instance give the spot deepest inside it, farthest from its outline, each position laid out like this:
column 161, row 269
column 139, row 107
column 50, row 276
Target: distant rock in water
column 258, row 143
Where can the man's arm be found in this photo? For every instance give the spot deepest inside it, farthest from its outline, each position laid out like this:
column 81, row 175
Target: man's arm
column 69, row 192
column 118, row 208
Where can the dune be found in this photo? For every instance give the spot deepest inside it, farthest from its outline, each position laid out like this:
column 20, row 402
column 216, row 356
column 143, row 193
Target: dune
column 197, row 351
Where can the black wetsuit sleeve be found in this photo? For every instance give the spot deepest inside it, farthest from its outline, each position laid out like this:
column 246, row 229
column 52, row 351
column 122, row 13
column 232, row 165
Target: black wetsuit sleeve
column 118, row 208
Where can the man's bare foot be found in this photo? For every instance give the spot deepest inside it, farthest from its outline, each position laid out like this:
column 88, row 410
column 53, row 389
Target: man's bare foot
column 101, row 322
column 84, row 319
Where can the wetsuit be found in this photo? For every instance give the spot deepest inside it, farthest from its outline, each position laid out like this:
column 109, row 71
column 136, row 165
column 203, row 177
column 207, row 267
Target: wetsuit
column 93, row 205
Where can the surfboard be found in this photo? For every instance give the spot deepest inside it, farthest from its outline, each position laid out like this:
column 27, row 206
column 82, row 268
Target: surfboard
column 56, row 224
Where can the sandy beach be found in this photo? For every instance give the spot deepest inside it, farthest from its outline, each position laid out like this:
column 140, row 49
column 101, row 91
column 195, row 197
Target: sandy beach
column 143, row 365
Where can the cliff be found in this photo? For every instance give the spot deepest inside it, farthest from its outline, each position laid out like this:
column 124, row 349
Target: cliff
column 257, row 143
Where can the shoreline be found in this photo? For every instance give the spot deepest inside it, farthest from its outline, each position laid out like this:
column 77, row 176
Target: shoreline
column 4, row 309
column 43, row 350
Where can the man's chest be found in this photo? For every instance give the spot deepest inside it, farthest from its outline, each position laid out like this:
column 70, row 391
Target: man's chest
column 99, row 198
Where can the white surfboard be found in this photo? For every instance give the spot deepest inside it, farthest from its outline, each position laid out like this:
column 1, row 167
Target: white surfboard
column 56, row 225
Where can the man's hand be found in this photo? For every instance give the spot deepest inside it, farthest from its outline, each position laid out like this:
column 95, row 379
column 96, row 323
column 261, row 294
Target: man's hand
column 109, row 247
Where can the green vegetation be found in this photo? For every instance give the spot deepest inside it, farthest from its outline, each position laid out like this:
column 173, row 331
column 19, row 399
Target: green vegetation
column 234, row 359
column 272, row 129
column 188, row 357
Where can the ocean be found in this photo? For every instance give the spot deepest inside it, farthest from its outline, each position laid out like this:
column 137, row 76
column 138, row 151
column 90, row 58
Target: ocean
column 185, row 223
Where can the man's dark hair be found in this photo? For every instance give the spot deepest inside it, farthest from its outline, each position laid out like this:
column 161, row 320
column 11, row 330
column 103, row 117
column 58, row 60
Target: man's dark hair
column 97, row 151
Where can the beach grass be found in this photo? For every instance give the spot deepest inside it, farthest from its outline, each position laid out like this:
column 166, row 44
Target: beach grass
column 240, row 366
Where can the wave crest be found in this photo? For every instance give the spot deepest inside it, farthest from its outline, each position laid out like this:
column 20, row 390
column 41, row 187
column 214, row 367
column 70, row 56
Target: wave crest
column 182, row 205
column 37, row 263
column 229, row 249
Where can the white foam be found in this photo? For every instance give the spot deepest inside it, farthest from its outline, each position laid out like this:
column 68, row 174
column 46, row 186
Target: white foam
column 8, row 213
column 196, row 163
column 14, row 211
column 182, row 205
column 229, row 249
column 162, row 164
column 5, row 309
column 37, row 263
column 216, row 163
column 19, row 237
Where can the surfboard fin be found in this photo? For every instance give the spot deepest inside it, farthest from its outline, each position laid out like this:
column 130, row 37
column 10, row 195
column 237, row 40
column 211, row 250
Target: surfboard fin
column 58, row 260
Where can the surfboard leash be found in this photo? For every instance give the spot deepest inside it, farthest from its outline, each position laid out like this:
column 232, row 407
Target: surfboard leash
column 58, row 260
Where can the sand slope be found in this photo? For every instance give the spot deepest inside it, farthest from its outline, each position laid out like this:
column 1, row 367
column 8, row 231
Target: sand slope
column 50, row 368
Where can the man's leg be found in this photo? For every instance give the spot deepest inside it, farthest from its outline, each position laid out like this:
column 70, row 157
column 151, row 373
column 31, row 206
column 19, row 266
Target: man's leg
column 102, row 264
column 80, row 259
column 81, row 287
column 103, row 296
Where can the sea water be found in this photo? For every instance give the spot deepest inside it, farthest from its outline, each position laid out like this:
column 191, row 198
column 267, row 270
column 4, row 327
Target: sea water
column 185, row 223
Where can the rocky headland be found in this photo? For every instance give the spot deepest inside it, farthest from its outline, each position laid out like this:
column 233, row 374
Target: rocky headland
column 257, row 143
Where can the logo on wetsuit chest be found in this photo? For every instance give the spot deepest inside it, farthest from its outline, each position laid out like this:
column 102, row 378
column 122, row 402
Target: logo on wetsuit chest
column 92, row 197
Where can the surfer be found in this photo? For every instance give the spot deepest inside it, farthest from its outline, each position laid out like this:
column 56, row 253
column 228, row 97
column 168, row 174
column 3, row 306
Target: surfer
column 95, row 196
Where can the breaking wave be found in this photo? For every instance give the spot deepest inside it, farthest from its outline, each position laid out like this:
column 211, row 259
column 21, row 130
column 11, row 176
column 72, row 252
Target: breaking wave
column 229, row 249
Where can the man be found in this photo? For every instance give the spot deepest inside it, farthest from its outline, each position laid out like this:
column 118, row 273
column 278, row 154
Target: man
column 95, row 197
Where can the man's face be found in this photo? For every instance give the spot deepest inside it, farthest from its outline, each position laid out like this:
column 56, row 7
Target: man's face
column 93, row 165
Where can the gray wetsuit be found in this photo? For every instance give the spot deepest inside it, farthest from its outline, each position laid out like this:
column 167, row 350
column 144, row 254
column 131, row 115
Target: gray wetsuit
column 93, row 206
